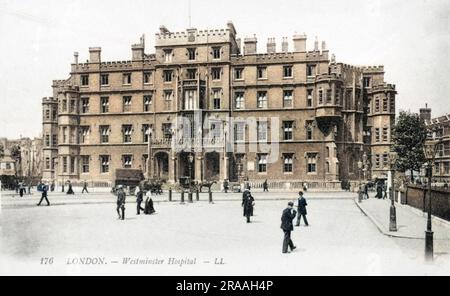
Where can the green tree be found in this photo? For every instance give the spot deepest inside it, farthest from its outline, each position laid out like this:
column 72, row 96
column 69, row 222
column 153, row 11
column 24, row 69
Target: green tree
column 408, row 136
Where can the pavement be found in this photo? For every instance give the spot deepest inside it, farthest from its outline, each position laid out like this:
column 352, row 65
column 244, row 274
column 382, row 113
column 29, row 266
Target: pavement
column 11, row 199
column 201, row 238
column 411, row 223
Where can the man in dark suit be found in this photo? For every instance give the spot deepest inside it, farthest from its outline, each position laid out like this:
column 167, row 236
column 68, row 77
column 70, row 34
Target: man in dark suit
column 265, row 186
column 301, row 207
column 247, row 204
column 139, row 200
column 121, row 202
column 286, row 224
column 44, row 195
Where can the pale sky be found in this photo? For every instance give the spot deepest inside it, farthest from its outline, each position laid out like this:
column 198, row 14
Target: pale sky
column 410, row 38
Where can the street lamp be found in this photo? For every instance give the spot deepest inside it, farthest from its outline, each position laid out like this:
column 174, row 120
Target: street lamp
column 360, row 190
column 430, row 152
column 393, row 212
column 365, row 166
column 190, row 160
column 149, row 132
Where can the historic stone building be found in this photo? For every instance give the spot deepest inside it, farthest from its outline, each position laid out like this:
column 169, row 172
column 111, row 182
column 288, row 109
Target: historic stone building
column 290, row 115
column 29, row 164
column 441, row 127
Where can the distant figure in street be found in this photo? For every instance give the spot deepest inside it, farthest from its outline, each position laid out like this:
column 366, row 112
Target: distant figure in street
column 366, row 191
column 52, row 187
column 85, row 188
column 384, row 191
column 247, row 204
column 21, row 189
column 301, row 207
column 149, row 209
column 121, row 202
column 44, row 195
column 305, row 186
column 139, row 200
column 29, row 188
column 286, row 225
column 379, row 191
column 70, row 190
column 225, row 186
column 265, row 186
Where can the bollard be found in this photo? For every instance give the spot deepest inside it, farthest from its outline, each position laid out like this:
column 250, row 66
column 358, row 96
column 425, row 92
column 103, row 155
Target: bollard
column 190, row 200
column 170, row 194
column 210, row 196
column 197, row 195
column 182, row 196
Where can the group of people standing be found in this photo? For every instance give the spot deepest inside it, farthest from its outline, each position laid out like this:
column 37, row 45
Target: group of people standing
column 287, row 217
column 121, row 201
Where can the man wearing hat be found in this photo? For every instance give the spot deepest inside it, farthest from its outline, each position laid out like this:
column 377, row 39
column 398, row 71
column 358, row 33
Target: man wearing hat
column 44, row 195
column 247, row 204
column 301, row 207
column 121, row 202
column 286, row 225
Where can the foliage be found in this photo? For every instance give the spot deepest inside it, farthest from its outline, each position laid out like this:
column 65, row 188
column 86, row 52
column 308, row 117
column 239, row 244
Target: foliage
column 15, row 152
column 408, row 136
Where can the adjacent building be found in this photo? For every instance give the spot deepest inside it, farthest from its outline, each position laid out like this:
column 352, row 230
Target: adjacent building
column 441, row 127
column 28, row 164
column 290, row 114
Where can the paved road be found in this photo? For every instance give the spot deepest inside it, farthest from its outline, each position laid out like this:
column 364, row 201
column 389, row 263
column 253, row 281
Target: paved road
column 340, row 240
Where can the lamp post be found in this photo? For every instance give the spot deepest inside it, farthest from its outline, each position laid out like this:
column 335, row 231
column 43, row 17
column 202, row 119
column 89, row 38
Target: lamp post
column 365, row 167
column 430, row 152
column 149, row 151
column 190, row 160
column 393, row 212
column 360, row 192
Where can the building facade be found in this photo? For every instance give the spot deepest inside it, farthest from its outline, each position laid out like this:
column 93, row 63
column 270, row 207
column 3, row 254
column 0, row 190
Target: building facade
column 29, row 164
column 441, row 127
column 290, row 115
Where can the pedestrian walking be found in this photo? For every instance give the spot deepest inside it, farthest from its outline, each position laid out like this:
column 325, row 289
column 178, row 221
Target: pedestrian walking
column 121, row 197
column 366, row 191
column 149, row 209
column 301, row 207
column 52, row 187
column 70, row 190
column 286, row 225
column 85, row 188
column 21, row 189
column 29, row 188
column 248, row 204
column 44, row 195
column 379, row 191
column 225, row 186
column 139, row 200
column 305, row 186
column 384, row 191
column 265, row 186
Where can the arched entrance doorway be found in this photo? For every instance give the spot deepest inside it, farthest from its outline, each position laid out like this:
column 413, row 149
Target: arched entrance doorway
column 161, row 166
column 186, row 165
column 212, row 166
